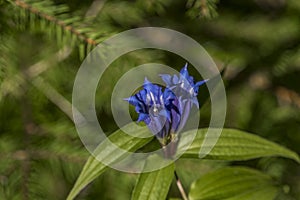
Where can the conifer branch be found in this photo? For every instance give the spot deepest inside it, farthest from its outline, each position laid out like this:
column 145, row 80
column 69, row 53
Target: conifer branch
column 65, row 26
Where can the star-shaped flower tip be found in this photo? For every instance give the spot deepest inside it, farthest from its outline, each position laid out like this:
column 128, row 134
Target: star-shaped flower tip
column 183, row 85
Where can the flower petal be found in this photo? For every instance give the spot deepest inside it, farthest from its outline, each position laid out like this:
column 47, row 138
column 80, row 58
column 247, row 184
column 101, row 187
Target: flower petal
column 166, row 78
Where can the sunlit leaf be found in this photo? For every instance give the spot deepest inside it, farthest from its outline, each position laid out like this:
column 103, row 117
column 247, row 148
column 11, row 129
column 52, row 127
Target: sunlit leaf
column 234, row 183
column 154, row 185
column 94, row 168
column 234, row 145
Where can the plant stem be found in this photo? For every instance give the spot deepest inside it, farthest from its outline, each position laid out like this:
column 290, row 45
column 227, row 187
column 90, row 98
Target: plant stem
column 180, row 187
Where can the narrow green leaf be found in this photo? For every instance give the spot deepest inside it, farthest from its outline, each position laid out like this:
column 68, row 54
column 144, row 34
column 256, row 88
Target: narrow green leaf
column 42, row 5
column 73, row 40
column 89, row 48
column 43, row 24
column 32, row 20
column 81, row 51
column 235, row 145
column 59, row 35
column 61, row 9
column 234, row 183
column 67, row 39
column 52, row 29
column 72, row 20
column 93, row 168
column 23, row 16
column 153, row 185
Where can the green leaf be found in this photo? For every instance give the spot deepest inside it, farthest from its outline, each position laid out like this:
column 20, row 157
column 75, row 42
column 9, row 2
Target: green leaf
column 234, row 145
column 234, row 183
column 93, row 168
column 154, row 185
column 81, row 51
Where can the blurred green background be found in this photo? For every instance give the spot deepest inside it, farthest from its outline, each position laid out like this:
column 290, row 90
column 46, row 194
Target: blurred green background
column 42, row 44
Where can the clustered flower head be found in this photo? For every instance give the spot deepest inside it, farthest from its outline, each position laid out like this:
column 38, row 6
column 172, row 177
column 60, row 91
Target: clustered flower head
column 165, row 112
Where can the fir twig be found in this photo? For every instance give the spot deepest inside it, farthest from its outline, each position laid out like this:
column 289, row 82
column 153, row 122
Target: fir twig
column 66, row 27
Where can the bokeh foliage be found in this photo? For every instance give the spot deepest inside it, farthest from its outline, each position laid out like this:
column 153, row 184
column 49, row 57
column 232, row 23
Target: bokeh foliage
column 42, row 44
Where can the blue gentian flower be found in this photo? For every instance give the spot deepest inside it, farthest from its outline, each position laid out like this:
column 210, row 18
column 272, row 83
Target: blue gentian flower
column 186, row 90
column 153, row 107
column 165, row 112
column 183, row 85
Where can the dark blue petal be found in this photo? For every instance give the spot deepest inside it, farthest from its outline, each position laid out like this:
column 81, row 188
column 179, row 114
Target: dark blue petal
column 143, row 117
column 153, row 93
column 199, row 83
column 132, row 100
column 184, row 72
column 176, row 118
column 186, row 107
column 166, row 78
column 175, row 79
column 165, row 114
column 150, row 87
column 168, row 96
column 140, row 107
column 156, row 123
